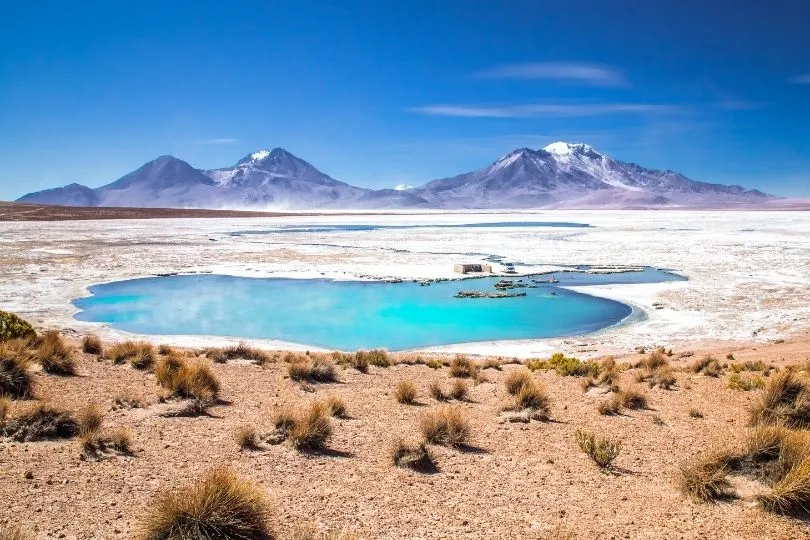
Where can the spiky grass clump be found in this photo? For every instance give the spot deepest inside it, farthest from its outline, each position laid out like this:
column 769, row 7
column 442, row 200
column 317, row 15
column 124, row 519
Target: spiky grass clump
column 532, row 397
column 412, row 456
column 16, row 379
column 437, row 391
column 14, row 327
column 708, row 366
column 89, row 420
column 655, row 370
column 695, row 413
column 40, row 422
column 463, row 367
column 361, row 360
column 186, row 378
column 336, row 406
column 221, row 505
column 516, row 379
column 5, row 410
column 140, row 355
column 459, row 390
column 92, row 345
column 311, row 430
column 242, row 351
column 775, row 455
column 447, row 425
column 283, row 419
column 316, row 369
column 602, row 451
column 632, row 399
column 703, row 478
column 55, row 356
column 406, row 393
column 791, row 493
column 785, row 400
column 610, row 407
column 246, row 438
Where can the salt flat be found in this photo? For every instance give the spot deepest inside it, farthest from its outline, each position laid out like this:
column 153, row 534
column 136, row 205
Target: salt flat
column 749, row 272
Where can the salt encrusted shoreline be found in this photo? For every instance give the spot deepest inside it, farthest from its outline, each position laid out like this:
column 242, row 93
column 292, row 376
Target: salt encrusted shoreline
column 748, row 271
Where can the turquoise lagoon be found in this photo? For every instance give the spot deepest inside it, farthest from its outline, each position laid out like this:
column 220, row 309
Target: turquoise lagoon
column 348, row 315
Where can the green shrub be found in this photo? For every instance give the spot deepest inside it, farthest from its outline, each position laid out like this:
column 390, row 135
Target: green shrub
column 13, row 327
column 602, row 451
column 566, row 365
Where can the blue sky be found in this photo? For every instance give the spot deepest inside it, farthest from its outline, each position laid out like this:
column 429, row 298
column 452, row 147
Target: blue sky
column 379, row 93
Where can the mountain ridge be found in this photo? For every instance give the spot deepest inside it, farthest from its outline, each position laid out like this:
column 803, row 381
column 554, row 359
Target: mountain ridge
column 560, row 175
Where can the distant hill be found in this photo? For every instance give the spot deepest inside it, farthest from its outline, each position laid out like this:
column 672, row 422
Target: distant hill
column 561, row 175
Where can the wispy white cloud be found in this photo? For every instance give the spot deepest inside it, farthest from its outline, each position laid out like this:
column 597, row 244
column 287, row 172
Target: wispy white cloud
column 588, row 74
column 801, row 79
column 221, row 140
column 544, row 109
column 734, row 104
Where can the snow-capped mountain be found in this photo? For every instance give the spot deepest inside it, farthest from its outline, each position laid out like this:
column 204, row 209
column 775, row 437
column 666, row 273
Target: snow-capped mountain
column 561, row 175
column 564, row 175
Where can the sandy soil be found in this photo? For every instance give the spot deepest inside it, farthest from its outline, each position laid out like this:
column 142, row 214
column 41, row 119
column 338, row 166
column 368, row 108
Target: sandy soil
column 519, row 481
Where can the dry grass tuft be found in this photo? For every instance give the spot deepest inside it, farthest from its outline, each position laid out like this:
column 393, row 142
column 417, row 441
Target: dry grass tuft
column 437, row 391
column 602, row 451
column 516, row 379
column 5, row 409
column 312, row 430
column 703, row 478
column 92, row 345
column 166, row 350
column 708, row 366
column 336, row 406
column 412, row 456
column 695, row 413
column 16, row 379
column 241, row 351
column 55, row 356
column 610, row 407
column 246, row 438
column 360, row 360
column 40, row 422
column 791, row 493
column 89, row 420
column 655, row 370
column 140, row 355
column 447, row 425
column 785, row 400
column 632, row 399
column 406, row 393
column 221, row 506
column 533, row 397
column 317, row 369
column 463, row 367
column 459, row 390
column 187, row 378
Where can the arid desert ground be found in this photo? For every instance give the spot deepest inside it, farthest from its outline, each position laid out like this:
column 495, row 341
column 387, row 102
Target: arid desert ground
column 708, row 367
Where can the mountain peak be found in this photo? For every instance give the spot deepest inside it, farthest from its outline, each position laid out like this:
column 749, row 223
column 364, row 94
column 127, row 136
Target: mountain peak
column 567, row 149
column 264, row 155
